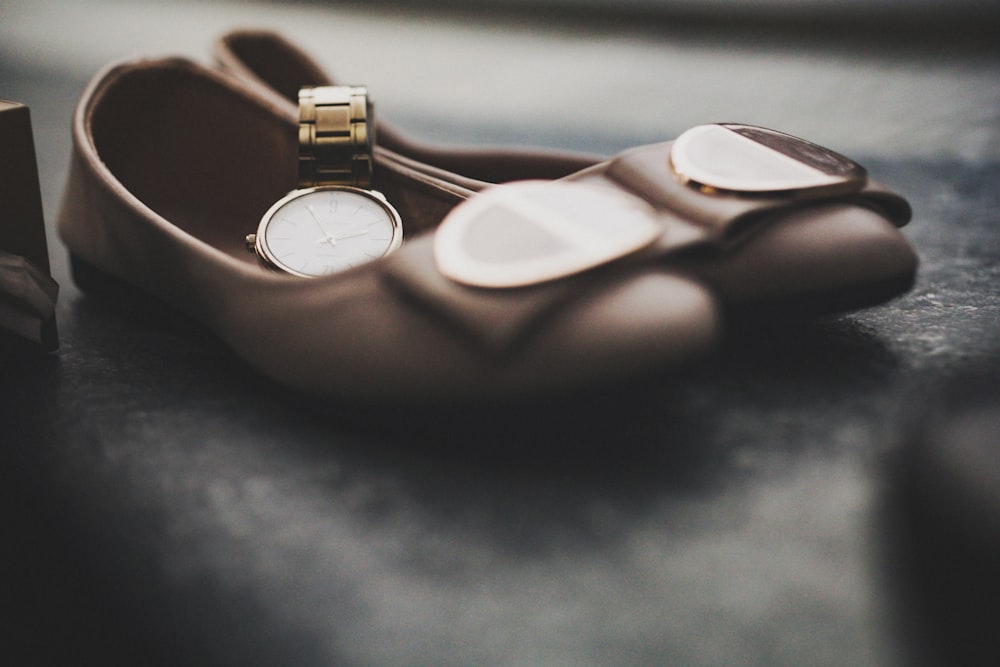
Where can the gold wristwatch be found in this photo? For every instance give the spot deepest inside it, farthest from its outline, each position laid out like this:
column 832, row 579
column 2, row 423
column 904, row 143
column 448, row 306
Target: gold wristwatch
column 334, row 221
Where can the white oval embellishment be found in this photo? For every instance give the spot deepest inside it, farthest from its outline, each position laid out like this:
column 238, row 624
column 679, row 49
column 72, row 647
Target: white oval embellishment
column 730, row 157
column 534, row 231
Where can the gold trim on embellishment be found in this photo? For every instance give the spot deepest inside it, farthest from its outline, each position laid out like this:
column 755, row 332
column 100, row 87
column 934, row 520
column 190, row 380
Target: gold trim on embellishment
column 748, row 161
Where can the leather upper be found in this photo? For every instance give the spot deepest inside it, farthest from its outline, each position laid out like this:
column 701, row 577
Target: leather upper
column 174, row 164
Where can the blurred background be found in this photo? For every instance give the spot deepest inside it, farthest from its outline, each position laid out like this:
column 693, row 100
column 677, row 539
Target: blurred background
column 884, row 77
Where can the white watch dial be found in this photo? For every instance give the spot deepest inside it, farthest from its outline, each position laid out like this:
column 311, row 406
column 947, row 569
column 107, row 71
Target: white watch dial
column 328, row 229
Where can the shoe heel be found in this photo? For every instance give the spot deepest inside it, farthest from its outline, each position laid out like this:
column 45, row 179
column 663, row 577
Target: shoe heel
column 95, row 282
column 130, row 302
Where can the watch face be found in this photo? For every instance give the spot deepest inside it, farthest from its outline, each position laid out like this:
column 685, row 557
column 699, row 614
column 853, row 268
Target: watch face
column 327, row 229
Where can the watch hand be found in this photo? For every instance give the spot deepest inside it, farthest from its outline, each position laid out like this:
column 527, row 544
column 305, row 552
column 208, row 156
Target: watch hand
column 316, row 220
column 348, row 235
column 332, row 240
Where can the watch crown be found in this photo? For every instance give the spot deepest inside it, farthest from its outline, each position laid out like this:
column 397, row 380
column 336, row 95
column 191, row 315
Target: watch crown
column 252, row 242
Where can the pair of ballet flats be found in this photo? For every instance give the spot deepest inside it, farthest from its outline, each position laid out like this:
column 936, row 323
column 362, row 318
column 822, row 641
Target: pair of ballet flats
column 174, row 163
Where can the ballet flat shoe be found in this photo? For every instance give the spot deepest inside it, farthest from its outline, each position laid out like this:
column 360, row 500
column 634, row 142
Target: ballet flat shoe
column 174, row 163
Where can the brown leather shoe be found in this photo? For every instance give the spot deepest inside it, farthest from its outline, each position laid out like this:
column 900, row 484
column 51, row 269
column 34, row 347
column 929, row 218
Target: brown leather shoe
column 828, row 256
column 174, row 164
